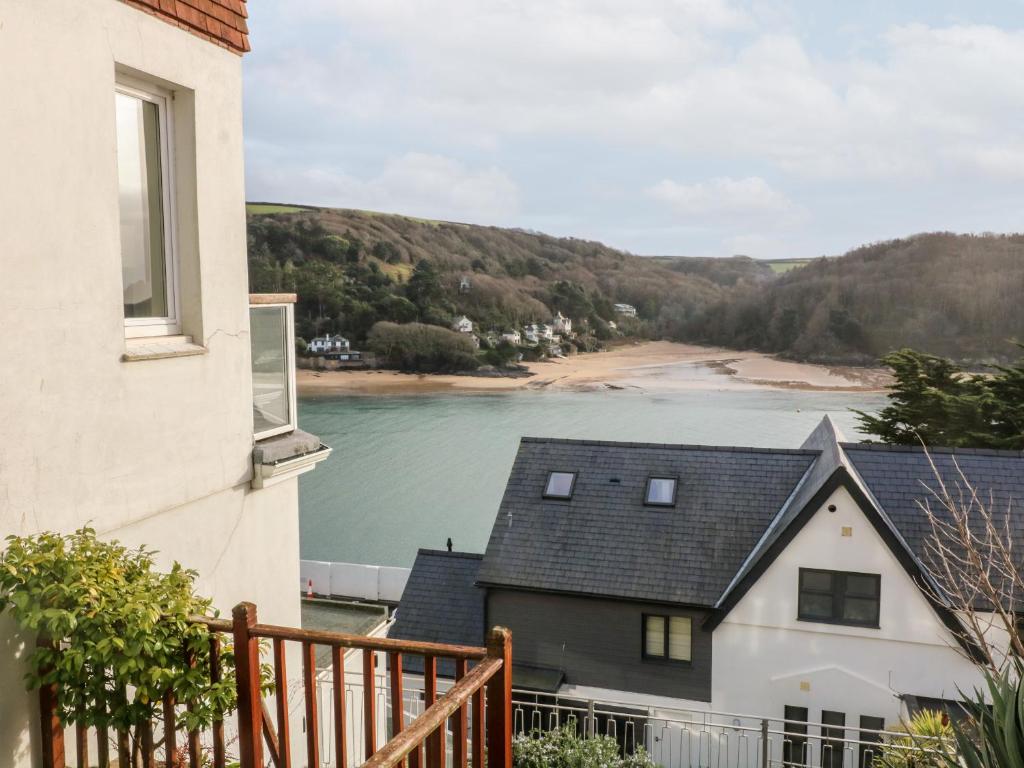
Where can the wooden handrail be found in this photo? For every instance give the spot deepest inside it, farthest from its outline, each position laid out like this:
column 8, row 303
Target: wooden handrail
column 213, row 624
column 434, row 716
column 343, row 640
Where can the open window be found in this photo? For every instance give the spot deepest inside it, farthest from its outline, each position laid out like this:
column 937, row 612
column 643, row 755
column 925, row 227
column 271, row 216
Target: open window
column 149, row 260
column 272, row 335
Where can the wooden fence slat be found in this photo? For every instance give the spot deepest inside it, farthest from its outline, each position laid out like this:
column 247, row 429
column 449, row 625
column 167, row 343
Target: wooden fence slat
column 219, row 755
column 170, row 732
column 460, row 723
column 284, row 739
column 247, row 677
column 338, row 692
column 370, row 702
column 51, row 731
column 270, row 736
column 81, row 746
column 477, row 746
column 102, row 746
column 309, row 688
column 124, row 752
column 436, row 740
column 397, row 697
column 148, row 752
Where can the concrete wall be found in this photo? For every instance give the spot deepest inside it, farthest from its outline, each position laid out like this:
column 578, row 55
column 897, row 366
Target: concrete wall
column 158, row 451
column 364, row 582
column 765, row 658
column 598, row 643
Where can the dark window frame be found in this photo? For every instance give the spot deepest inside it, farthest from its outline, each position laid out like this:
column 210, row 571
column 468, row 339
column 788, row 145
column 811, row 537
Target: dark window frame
column 838, row 594
column 647, row 491
column 558, row 497
column 664, row 658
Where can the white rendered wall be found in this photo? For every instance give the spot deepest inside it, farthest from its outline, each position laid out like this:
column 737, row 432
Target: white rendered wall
column 154, row 452
column 764, row 658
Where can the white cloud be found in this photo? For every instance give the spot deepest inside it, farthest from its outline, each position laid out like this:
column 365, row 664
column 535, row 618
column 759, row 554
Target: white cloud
column 415, row 183
column 724, row 197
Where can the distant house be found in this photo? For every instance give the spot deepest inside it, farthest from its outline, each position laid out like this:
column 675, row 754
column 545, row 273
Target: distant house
column 626, row 310
column 562, row 324
column 463, row 325
column 612, row 325
column 784, row 583
column 464, row 285
column 475, row 339
column 323, row 345
column 531, row 335
column 513, row 337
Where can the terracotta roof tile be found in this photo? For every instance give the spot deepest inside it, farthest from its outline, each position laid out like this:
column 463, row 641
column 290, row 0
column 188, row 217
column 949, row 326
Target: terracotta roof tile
column 222, row 22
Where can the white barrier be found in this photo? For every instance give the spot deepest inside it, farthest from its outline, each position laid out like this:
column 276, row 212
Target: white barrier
column 363, row 582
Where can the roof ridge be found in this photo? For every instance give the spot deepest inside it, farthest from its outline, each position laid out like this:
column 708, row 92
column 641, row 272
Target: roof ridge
column 670, row 446
column 446, row 553
column 887, row 447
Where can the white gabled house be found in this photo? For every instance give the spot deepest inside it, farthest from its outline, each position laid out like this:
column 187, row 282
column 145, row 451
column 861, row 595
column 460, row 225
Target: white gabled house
column 562, row 324
column 626, row 310
column 787, row 584
column 462, row 324
column 323, row 345
column 513, row 337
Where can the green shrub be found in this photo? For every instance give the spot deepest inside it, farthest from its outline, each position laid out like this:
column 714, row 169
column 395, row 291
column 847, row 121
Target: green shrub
column 928, row 730
column 564, row 748
column 423, row 348
column 994, row 738
column 116, row 632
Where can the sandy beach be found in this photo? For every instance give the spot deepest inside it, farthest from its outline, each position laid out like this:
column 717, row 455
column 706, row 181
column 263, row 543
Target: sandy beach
column 654, row 366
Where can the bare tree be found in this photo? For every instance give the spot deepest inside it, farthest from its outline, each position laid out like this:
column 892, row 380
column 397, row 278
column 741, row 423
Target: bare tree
column 976, row 569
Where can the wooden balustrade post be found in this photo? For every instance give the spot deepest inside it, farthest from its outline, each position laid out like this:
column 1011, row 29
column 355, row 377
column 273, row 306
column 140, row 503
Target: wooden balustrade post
column 247, row 681
column 499, row 701
column 52, row 731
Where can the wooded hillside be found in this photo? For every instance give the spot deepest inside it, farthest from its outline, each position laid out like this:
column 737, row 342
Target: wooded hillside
column 354, row 268
column 959, row 296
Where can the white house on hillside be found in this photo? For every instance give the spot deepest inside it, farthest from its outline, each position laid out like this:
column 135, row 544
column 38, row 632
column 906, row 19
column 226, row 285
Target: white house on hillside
column 562, row 324
column 626, row 310
column 513, row 337
column 463, row 325
column 680, row 579
column 323, row 345
column 175, row 426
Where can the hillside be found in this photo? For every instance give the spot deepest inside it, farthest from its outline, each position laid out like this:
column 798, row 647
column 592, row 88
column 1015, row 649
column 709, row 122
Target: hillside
column 952, row 295
column 354, row 268
column 958, row 296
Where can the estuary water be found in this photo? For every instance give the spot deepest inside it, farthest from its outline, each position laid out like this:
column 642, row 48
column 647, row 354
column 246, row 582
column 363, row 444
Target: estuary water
column 409, row 472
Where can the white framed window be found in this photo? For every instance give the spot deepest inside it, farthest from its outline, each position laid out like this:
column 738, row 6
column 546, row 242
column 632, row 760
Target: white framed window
column 149, row 263
column 272, row 336
column 661, row 492
column 560, row 485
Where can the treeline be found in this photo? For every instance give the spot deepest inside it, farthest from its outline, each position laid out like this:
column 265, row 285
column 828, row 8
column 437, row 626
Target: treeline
column 353, row 269
column 958, row 296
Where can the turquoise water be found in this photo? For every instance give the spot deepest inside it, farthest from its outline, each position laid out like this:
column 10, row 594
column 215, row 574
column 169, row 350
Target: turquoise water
column 409, row 472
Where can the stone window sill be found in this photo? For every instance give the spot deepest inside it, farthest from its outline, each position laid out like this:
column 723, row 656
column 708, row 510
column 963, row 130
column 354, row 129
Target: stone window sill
column 160, row 347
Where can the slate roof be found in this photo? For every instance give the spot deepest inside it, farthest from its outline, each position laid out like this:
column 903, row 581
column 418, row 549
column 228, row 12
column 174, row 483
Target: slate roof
column 605, row 541
column 441, row 604
column 901, row 478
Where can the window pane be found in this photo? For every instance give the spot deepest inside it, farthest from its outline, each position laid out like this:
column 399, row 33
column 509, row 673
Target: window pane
column 679, row 638
column 660, row 490
column 559, row 484
column 817, row 580
column 867, row 753
column 861, row 585
column 794, row 741
column 860, row 609
column 819, row 606
column 271, row 400
column 654, row 636
column 831, row 739
column 140, row 195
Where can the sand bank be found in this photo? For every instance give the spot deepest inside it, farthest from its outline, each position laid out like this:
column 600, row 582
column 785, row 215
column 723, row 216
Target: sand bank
column 656, row 366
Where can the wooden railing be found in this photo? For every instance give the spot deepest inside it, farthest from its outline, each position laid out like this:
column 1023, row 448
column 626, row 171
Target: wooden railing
column 483, row 686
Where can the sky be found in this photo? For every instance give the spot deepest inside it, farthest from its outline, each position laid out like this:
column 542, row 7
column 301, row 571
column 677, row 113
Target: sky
column 664, row 127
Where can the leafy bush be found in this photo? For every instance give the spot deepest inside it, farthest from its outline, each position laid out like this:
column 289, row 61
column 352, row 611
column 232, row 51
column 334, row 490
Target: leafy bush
column 995, row 736
column 116, row 632
column 423, row 348
column 928, row 730
column 564, row 748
